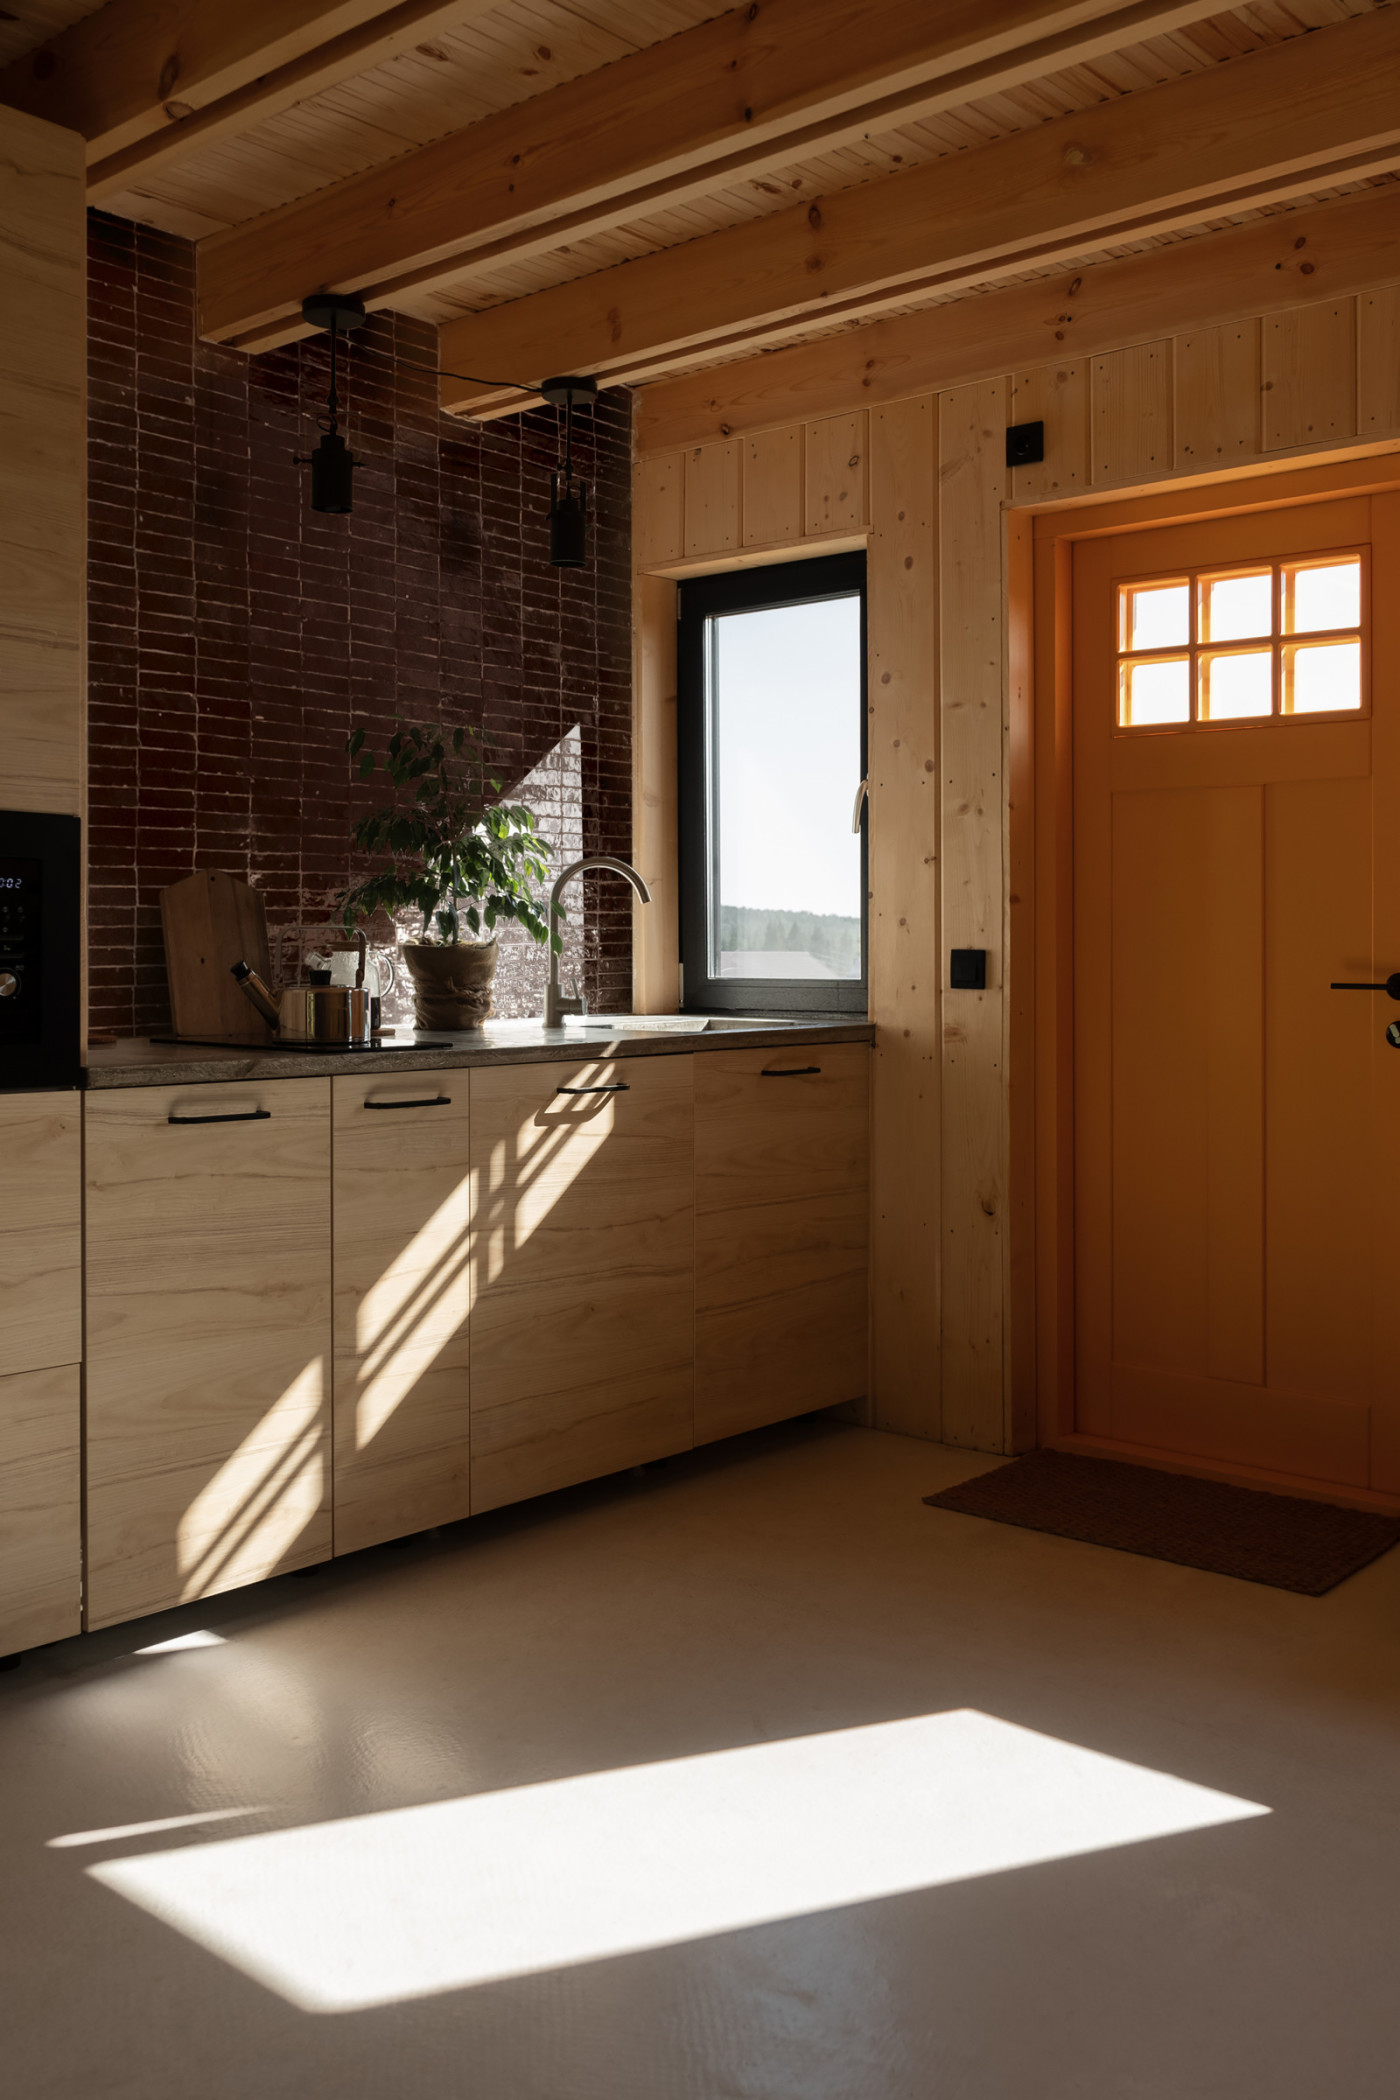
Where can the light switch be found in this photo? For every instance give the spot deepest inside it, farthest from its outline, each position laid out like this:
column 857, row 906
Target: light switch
column 967, row 971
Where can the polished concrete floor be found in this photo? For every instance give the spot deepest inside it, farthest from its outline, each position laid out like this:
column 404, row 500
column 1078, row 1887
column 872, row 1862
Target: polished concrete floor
column 747, row 1779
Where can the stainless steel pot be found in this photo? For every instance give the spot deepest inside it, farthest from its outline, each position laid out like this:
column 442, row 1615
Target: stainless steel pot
column 309, row 1013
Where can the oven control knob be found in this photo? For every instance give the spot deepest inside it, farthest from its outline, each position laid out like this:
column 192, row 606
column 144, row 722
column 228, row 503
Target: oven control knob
column 9, row 984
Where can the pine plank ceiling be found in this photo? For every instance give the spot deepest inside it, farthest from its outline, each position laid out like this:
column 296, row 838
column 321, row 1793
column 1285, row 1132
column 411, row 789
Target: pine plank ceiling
column 474, row 62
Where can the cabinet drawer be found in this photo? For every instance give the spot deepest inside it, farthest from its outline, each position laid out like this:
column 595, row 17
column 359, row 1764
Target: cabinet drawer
column 41, row 1197
column 782, row 1234
column 582, row 1335
column 774, row 1124
column 40, row 1534
column 209, row 1339
column 400, row 1223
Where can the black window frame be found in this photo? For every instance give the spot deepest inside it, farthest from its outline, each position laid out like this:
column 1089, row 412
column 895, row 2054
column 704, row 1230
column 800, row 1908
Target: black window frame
column 699, row 600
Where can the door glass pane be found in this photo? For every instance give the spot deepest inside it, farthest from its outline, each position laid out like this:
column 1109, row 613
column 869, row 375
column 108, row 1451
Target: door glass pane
column 1235, row 607
column 1320, row 677
column 1322, row 594
column 1159, row 691
column 1237, row 683
column 1156, row 617
column 785, row 701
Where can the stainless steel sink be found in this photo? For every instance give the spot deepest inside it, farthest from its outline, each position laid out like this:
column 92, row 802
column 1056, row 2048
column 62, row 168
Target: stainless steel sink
column 633, row 1024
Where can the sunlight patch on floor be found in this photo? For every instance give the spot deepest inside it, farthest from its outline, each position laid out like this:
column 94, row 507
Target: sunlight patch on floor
column 122, row 1831
column 376, row 1909
column 203, row 1639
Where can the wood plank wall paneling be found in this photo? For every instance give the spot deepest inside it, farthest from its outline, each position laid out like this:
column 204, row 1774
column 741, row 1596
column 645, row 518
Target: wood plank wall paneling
column 906, row 1129
column 712, row 499
column 1378, row 362
column 658, row 510
column 836, row 474
column 774, row 487
column 1058, row 397
column 1217, row 396
column 1309, row 375
column 1132, row 414
column 43, row 349
column 928, row 499
column 656, row 951
column 971, row 486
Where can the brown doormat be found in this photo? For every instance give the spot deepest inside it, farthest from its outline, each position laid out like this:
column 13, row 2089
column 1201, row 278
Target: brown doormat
column 1282, row 1540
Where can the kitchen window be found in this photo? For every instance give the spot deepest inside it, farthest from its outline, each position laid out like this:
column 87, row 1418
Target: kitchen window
column 771, row 738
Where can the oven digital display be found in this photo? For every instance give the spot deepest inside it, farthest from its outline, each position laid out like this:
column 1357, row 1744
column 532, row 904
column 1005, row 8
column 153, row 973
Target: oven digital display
column 21, row 949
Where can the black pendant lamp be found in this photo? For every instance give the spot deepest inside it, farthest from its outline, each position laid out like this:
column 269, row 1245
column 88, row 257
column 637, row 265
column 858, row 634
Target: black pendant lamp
column 331, row 461
column 333, row 464
column 568, row 495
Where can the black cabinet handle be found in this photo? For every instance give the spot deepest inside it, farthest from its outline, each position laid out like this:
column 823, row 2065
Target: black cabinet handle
column 619, row 1086
column 423, row 1101
column 791, row 1072
column 247, row 1115
column 1391, row 985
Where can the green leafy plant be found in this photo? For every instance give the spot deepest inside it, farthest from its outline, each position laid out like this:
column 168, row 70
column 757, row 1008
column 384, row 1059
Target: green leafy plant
column 455, row 853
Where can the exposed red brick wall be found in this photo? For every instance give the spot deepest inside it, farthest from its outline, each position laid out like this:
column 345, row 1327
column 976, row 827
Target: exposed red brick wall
column 235, row 636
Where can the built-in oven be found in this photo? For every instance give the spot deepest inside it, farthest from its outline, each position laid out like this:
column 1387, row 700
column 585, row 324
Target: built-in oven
column 40, row 950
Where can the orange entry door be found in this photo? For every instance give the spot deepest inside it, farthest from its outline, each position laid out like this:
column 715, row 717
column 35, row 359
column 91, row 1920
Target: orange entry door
column 1237, row 1122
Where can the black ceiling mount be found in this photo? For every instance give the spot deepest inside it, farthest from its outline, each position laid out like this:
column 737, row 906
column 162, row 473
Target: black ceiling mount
column 340, row 310
column 569, row 390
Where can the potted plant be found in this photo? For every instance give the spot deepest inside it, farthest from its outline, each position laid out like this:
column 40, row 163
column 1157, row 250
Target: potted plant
column 458, row 856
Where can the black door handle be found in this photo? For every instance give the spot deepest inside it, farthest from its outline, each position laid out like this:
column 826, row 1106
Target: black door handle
column 620, row 1086
column 1391, row 985
column 1392, row 1035
column 248, row 1115
column 423, row 1101
column 791, row 1072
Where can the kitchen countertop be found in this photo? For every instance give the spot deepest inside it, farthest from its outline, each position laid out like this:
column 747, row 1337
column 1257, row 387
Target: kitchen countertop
column 140, row 1062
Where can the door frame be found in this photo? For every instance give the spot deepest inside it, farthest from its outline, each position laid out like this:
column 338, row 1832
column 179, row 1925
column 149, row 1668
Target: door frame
column 1040, row 850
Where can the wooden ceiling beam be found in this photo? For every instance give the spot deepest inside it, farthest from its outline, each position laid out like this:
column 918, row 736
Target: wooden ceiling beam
column 1320, row 109
column 149, row 81
column 723, row 102
column 1293, row 259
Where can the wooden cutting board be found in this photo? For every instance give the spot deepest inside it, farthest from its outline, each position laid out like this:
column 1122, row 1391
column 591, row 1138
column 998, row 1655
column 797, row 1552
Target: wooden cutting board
column 210, row 923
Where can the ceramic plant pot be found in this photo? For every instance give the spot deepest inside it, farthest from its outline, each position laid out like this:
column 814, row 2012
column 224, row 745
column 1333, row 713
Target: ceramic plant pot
column 451, row 985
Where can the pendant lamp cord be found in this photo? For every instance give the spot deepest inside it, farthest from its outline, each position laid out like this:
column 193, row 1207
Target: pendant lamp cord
column 330, row 421
column 408, row 364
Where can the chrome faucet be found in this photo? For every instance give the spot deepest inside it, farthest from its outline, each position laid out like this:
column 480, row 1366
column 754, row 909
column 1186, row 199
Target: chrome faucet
column 555, row 1004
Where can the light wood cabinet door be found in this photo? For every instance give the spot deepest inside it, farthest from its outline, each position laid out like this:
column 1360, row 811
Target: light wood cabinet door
column 40, row 1533
column 209, row 1339
column 781, row 1233
column 41, row 1251
column 583, row 1247
column 400, row 1221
